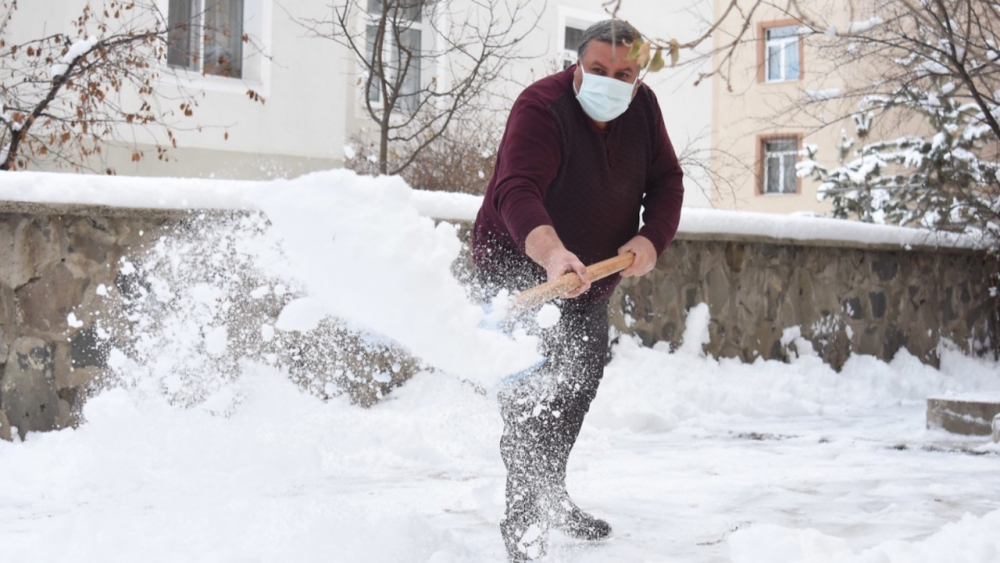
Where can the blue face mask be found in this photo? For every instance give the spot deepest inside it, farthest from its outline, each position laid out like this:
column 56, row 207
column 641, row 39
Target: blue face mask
column 604, row 98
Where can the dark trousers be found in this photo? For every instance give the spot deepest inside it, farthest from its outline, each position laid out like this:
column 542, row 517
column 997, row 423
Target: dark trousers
column 544, row 410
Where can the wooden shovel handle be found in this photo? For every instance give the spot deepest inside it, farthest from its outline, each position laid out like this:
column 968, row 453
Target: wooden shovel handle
column 549, row 290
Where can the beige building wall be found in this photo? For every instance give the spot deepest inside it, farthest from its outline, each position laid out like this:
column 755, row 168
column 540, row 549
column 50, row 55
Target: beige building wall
column 748, row 110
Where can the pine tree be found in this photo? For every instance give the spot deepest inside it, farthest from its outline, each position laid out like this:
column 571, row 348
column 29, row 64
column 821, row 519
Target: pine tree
column 943, row 174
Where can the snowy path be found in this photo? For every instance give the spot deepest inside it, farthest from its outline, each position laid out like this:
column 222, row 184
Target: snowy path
column 418, row 480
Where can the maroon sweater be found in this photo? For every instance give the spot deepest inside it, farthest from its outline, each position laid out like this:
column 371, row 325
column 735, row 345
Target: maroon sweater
column 555, row 167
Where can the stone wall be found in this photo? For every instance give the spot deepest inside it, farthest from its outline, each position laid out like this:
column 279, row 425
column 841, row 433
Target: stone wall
column 844, row 300
column 52, row 262
column 59, row 264
column 73, row 284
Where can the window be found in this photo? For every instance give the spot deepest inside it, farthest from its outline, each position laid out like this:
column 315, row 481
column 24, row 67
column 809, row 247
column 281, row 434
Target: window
column 206, row 36
column 566, row 39
column 401, row 47
column 778, row 162
column 781, row 53
column 572, row 33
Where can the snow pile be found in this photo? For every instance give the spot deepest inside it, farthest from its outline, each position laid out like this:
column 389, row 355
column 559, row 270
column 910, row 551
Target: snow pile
column 970, row 540
column 362, row 251
column 641, row 393
column 338, row 274
column 145, row 481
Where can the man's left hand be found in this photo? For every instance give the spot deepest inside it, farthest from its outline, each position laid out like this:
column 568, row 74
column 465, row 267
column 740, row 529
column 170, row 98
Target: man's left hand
column 645, row 256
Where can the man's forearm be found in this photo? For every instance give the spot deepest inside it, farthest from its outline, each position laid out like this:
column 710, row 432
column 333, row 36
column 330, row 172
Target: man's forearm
column 541, row 244
column 544, row 247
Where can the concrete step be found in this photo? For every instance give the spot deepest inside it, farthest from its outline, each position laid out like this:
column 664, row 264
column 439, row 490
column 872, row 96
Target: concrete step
column 973, row 416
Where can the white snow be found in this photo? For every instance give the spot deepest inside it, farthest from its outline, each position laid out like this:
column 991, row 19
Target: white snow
column 301, row 315
column 72, row 321
column 176, row 193
column 696, row 333
column 863, row 26
column 690, row 458
column 267, row 333
column 548, row 316
column 822, row 95
column 217, row 341
column 76, row 50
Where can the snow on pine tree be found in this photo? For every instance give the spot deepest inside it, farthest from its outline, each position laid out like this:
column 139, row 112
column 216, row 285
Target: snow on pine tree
column 941, row 173
column 944, row 179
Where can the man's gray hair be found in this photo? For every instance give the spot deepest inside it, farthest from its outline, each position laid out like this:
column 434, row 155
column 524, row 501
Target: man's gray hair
column 609, row 31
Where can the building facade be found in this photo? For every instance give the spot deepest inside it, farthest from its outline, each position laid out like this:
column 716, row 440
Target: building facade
column 314, row 105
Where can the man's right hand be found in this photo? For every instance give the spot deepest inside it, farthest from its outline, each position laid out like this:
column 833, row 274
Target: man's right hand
column 544, row 247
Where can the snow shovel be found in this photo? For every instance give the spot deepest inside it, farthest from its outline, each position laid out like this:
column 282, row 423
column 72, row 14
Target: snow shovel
column 531, row 298
column 543, row 293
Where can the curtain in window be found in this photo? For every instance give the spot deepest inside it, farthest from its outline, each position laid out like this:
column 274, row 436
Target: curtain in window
column 181, row 46
column 409, row 48
column 398, row 9
column 792, row 60
column 371, row 35
column 779, row 172
column 401, row 45
column 572, row 37
column 782, row 53
column 774, row 63
column 223, row 39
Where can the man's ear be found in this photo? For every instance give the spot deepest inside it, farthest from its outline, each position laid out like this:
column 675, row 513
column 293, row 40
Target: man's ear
column 578, row 77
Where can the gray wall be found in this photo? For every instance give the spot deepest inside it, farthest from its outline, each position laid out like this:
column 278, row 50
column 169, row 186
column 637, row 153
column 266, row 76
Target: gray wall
column 52, row 261
column 866, row 300
column 869, row 300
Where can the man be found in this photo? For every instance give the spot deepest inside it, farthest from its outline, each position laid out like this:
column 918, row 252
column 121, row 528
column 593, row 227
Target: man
column 584, row 151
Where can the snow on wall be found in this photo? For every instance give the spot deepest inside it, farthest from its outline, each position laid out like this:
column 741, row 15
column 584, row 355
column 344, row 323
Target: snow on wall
column 190, row 193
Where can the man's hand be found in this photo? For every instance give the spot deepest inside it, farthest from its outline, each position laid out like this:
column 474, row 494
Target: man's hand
column 544, row 247
column 645, row 256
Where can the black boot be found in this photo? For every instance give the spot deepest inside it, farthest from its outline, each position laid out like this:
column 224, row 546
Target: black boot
column 576, row 523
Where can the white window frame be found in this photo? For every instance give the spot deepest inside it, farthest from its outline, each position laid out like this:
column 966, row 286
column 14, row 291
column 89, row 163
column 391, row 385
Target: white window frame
column 578, row 19
column 782, row 43
column 257, row 24
column 365, row 20
column 782, row 156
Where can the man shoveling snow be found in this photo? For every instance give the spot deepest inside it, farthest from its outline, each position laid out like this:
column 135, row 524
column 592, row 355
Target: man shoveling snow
column 583, row 152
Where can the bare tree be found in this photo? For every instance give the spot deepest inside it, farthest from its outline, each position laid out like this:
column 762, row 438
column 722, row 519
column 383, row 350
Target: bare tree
column 923, row 79
column 426, row 64
column 461, row 161
column 65, row 96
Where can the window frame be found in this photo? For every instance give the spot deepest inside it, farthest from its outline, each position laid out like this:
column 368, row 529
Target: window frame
column 762, row 51
column 762, row 158
column 366, row 19
column 577, row 19
column 196, row 39
column 257, row 23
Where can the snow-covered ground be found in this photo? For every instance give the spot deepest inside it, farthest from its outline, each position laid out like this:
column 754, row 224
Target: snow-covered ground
column 691, row 459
